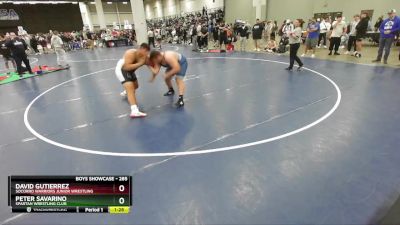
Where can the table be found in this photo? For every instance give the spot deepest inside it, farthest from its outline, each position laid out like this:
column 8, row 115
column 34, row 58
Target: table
column 117, row 43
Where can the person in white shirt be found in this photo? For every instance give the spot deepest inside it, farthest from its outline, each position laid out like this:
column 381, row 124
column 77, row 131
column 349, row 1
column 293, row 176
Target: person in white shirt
column 338, row 29
column 198, row 32
column 324, row 27
column 287, row 28
column 352, row 34
column 268, row 31
column 57, row 44
column 157, row 35
column 150, row 35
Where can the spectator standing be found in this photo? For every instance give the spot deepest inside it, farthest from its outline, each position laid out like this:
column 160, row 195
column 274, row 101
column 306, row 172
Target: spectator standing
column 150, row 35
column 223, row 36
column 199, row 34
column 204, row 37
column 361, row 31
column 243, row 30
column 57, row 44
column 324, row 26
column 193, row 34
column 34, row 44
column 338, row 29
column 388, row 30
column 215, row 35
column 287, row 28
column 18, row 47
column 378, row 23
column 184, row 36
column 6, row 53
column 89, row 40
column 352, row 34
column 157, row 34
column 268, row 31
column 274, row 30
column 257, row 34
column 312, row 37
column 103, row 38
column 43, row 43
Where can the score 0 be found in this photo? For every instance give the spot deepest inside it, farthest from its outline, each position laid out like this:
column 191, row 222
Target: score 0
column 122, row 190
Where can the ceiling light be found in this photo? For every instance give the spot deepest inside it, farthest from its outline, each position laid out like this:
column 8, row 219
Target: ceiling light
column 109, row 3
column 124, row 3
column 92, row 3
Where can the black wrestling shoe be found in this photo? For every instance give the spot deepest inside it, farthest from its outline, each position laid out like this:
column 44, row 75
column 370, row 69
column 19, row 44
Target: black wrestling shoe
column 170, row 92
column 289, row 69
column 180, row 103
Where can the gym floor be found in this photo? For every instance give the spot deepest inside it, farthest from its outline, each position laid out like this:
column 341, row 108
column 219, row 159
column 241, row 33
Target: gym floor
column 254, row 144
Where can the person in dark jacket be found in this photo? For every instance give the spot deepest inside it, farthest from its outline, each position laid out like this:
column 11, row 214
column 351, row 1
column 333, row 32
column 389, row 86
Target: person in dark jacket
column 243, row 34
column 361, row 31
column 34, row 44
column 378, row 23
column 257, row 34
column 18, row 47
column 6, row 53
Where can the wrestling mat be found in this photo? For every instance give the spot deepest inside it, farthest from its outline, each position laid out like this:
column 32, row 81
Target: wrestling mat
column 6, row 78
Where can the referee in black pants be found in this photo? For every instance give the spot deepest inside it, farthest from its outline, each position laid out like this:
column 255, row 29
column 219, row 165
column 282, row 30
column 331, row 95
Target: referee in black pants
column 294, row 41
column 18, row 47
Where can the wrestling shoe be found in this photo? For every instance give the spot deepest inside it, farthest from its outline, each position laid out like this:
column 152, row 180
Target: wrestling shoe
column 137, row 114
column 123, row 94
column 180, row 103
column 170, row 92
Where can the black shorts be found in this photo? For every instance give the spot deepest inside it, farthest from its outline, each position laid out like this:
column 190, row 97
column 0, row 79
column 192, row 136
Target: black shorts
column 125, row 76
column 359, row 37
column 122, row 75
column 223, row 40
column 128, row 76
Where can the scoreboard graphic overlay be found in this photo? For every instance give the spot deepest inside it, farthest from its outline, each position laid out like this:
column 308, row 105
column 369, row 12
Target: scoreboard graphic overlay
column 70, row 194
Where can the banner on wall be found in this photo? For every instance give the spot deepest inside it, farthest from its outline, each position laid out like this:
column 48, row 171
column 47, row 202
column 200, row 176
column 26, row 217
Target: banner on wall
column 8, row 14
column 115, row 26
column 127, row 25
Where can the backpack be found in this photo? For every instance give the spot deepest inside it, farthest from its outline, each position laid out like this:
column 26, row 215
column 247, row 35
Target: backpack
column 281, row 49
